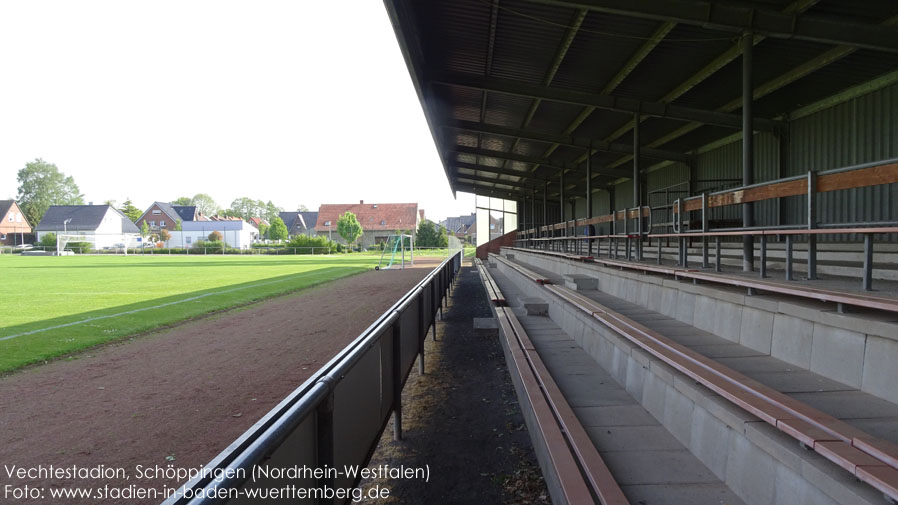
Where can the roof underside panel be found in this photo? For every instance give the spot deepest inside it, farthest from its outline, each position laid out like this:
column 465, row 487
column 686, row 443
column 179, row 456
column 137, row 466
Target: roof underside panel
column 463, row 52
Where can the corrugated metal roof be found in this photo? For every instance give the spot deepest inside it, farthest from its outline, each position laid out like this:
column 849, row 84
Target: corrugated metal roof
column 526, row 42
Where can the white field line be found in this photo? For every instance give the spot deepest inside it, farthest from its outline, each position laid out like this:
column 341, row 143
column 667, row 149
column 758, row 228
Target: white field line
column 135, row 311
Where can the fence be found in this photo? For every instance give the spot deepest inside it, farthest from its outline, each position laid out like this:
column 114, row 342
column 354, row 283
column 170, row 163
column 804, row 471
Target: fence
column 336, row 417
column 632, row 226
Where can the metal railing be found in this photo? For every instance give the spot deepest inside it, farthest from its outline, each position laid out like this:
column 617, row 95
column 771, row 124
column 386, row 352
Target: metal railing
column 636, row 229
column 336, row 417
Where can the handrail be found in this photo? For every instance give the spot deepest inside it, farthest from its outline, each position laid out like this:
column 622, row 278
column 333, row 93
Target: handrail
column 316, row 393
column 841, row 298
column 854, row 176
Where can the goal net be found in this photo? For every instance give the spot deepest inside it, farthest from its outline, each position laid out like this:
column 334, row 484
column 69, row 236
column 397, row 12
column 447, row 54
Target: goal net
column 78, row 243
column 397, row 246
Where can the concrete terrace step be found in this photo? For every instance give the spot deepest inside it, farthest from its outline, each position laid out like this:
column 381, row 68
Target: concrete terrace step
column 648, row 462
column 758, row 462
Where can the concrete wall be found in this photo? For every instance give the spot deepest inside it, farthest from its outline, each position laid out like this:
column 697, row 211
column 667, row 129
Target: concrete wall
column 760, row 464
column 859, row 350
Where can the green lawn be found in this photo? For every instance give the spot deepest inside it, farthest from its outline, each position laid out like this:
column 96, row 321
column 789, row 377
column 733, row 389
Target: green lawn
column 52, row 306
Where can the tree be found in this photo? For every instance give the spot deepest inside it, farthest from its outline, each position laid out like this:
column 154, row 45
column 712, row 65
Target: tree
column 177, row 225
column 270, row 212
column 184, row 200
column 164, row 235
column 205, row 204
column 144, row 229
column 277, row 230
column 443, row 239
column 349, row 228
column 215, row 236
column 427, row 234
column 244, row 208
column 263, row 229
column 41, row 185
column 302, row 208
column 131, row 211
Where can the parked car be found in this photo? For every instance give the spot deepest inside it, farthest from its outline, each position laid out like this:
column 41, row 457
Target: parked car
column 24, row 247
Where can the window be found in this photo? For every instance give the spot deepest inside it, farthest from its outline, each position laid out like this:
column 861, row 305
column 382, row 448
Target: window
column 10, row 217
column 327, row 223
column 2, row 236
column 152, row 223
column 382, row 222
column 156, row 212
column 162, row 223
column 189, row 239
column 18, row 217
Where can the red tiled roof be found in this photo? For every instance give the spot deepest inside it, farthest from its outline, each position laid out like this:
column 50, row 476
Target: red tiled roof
column 394, row 216
column 257, row 221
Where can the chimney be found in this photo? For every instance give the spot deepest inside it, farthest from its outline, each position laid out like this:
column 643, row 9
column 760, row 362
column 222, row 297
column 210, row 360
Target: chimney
column 361, row 202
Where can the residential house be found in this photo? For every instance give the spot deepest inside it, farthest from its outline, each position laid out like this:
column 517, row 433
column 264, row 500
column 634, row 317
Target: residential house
column 258, row 222
column 378, row 220
column 165, row 215
column 236, row 233
column 105, row 224
column 14, row 227
column 299, row 223
column 463, row 227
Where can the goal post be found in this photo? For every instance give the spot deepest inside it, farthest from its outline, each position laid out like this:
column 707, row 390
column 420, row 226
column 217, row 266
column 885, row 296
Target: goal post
column 76, row 241
column 86, row 243
column 398, row 245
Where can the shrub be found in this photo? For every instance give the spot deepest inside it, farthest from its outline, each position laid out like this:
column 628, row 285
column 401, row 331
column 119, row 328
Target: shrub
column 79, row 247
column 321, row 244
column 48, row 240
column 215, row 237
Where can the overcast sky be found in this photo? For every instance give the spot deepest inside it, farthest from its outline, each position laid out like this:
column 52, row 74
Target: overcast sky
column 297, row 102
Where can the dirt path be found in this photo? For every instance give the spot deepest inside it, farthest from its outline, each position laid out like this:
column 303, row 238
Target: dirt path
column 181, row 395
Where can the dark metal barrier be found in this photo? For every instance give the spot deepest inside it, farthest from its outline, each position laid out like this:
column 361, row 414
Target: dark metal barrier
column 334, row 418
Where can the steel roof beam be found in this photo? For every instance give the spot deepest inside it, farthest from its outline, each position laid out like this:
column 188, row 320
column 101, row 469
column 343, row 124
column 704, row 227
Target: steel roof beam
column 606, row 102
column 478, row 189
column 500, row 155
column 496, row 170
column 512, row 184
column 746, row 18
column 564, row 140
column 504, row 156
column 553, row 68
column 529, row 175
column 826, row 58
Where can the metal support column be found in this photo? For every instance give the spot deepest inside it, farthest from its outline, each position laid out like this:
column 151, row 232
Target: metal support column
column 397, row 380
column 546, row 203
column 812, row 223
column 637, row 200
column 788, row 257
column 748, row 168
column 704, row 230
column 717, row 254
column 590, row 229
column 533, row 216
column 868, row 262
column 763, row 256
column 561, row 206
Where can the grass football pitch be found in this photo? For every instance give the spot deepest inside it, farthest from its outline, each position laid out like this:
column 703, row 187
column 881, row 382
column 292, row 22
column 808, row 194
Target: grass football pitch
column 53, row 306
